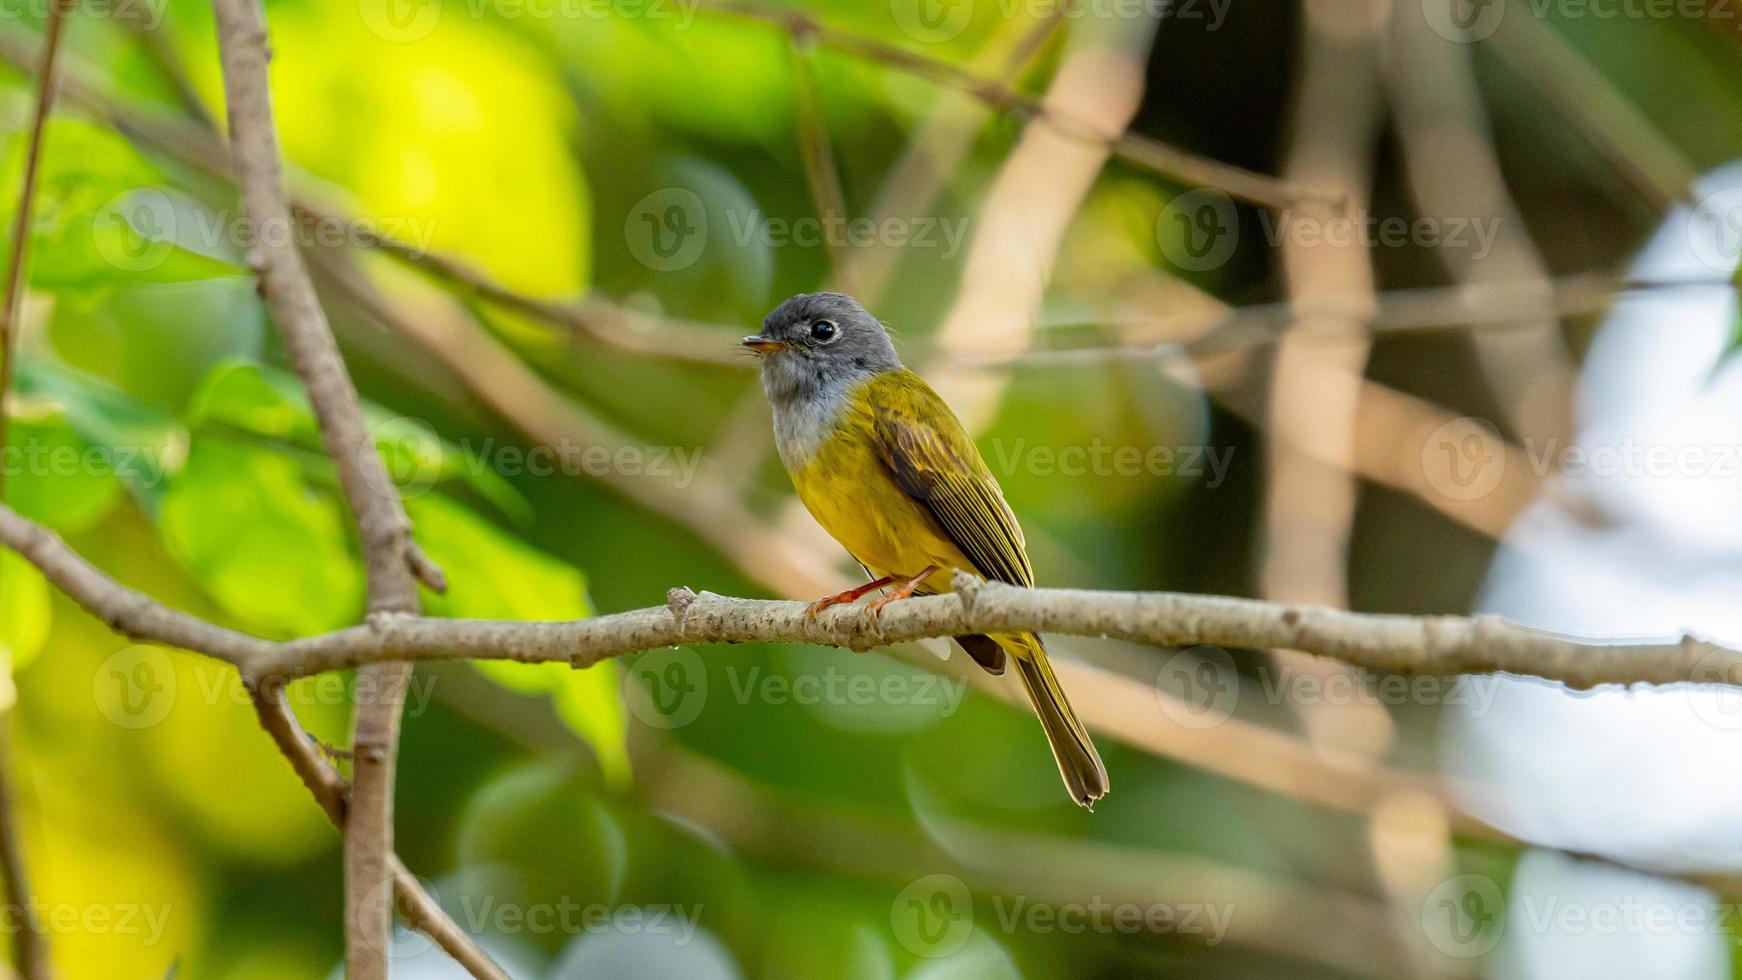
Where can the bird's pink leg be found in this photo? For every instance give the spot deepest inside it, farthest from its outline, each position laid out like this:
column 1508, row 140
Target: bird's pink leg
column 850, row 595
column 902, row 591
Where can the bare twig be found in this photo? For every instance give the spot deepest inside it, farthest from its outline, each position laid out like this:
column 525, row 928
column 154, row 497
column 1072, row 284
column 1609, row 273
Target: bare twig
column 818, row 157
column 420, row 910
column 1029, row 207
column 939, row 143
column 1573, row 89
column 392, row 562
column 30, row 945
column 1143, row 151
column 1453, row 169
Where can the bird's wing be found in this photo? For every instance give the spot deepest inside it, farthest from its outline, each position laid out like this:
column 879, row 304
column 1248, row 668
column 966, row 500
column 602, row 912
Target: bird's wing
column 925, row 448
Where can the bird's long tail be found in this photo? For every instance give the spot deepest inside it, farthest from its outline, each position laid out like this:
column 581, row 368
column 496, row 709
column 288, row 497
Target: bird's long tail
column 1079, row 764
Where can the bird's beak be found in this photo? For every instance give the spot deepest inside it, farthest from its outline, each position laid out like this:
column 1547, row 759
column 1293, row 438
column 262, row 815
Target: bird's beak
column 761, row 344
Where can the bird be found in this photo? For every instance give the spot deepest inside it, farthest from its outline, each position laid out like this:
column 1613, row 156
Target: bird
column 884, row 465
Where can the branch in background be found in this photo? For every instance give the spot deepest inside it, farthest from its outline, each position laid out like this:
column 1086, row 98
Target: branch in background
column 940, row 142
column 30, row 955
column 1029, row 207
column 1134, row 148
column 1453, row 169
column 818, row 157
column 1590, row 104
column 1462, row 307
column 392, row 562
column 1318, row 371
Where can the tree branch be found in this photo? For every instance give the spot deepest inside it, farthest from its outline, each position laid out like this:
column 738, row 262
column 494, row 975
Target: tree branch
column 1434, row 645
column 390, row 558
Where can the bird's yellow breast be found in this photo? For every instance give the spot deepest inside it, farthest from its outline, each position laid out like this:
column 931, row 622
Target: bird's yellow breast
column 854, row 497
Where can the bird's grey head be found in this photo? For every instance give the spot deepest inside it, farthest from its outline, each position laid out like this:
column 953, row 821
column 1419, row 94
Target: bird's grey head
column 816, row 344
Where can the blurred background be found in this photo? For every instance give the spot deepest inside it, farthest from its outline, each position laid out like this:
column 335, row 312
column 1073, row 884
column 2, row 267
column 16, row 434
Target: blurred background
column 1463, row 349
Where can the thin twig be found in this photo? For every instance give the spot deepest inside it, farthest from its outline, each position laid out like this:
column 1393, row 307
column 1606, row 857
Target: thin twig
column 1143, row 151
column 30, row 947
column 818, row 158
column 329, row 790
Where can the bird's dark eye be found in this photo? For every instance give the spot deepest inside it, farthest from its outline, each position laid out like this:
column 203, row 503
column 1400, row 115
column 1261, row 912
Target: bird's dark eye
column 823, row 331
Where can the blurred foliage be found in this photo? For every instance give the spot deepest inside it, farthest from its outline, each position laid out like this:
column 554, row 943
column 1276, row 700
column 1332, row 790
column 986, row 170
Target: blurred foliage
column 527, row 145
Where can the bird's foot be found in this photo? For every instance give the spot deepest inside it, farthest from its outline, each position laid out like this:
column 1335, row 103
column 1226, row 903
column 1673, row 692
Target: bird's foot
column 849, row 595
column 902, row 591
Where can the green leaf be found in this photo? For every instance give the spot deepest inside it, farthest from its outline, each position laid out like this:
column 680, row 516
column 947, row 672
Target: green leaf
column 272, row 551
column 25, row 611
column 158, row 341
column 494, row 576
column 269, row 403
column 105, row 215
column 122, row 438
column 55, row 476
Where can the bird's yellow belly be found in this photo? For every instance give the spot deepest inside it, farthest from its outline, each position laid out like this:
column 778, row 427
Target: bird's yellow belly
column 852, row 496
